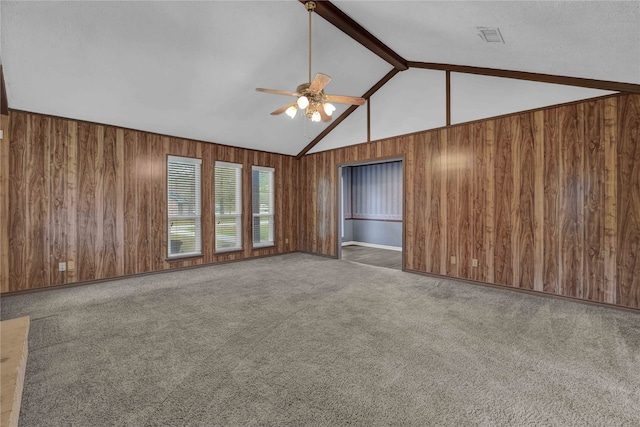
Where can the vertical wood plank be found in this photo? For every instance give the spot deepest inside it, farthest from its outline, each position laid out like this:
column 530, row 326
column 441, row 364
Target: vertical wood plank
column 99, row 200
column 37, row 257
column 525, row 212
column 539, row 167
column 416, row 222
column 490, row 201
column 4, row 202
column 130, row 202
column 18, row 201
column 628, row 251
column 442, row 215
column 479, row 196
column 157, row 223
column 143, row 189
column 503, row 256
column 109, row 213
column 86, row 213
column 594, row 201
column 71, row 199
column 452, row 167
column 57, row 207
column 464, row 205
column 610, row 200
column 433, row 173
column 571, row 237
column 551, row 228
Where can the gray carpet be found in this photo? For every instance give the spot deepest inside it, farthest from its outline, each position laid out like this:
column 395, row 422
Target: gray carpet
column 305, row 340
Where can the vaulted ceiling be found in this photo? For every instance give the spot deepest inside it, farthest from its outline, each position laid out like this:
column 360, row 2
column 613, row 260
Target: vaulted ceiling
column 190, row 69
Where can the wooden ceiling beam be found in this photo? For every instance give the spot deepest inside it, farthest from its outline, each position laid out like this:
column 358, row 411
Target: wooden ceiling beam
column 534, row 77
column 343, row 22
column 348, row 111
column 4, row 107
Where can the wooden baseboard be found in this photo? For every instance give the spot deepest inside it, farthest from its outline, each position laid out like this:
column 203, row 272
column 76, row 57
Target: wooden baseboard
column 526, row 291
column 148, row 273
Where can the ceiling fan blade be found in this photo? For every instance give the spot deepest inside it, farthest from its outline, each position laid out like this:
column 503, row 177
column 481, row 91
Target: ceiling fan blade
column 319, row 82
column 282, row 109
column 341, row 99
column 324, row 116
column 277, row 92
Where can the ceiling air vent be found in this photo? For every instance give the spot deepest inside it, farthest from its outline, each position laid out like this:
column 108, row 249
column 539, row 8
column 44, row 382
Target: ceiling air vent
column 490, row 35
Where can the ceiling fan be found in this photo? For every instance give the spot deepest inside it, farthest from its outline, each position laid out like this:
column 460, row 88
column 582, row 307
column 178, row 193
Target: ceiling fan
column 311, row 97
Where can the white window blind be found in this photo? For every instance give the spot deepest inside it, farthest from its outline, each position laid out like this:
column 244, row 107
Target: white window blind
column 262, row 200
column 184, row 206
column 228, row 206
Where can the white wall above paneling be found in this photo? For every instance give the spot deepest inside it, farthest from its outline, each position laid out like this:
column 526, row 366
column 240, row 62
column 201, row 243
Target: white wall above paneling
column 190, row 69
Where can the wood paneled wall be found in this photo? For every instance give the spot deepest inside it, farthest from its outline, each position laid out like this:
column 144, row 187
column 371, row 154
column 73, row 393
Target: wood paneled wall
column 4, row 204
column 547, row 200
column 96, row 195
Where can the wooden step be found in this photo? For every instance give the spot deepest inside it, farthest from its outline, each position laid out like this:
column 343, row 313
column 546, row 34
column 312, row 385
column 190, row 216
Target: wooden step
column 14, row 335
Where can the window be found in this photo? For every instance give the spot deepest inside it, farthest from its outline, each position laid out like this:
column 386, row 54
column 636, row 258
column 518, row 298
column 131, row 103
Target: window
column 228, row 206
column 263, row 206
column 184, row 206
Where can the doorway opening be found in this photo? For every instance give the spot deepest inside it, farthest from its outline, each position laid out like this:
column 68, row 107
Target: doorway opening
column 371, row 209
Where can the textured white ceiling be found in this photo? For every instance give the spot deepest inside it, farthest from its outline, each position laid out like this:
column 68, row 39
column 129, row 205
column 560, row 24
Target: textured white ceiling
column 189, row 69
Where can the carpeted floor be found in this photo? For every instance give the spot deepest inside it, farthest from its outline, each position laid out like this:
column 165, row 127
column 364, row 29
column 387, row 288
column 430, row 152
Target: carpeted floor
column 305, row 340
column 372, row 256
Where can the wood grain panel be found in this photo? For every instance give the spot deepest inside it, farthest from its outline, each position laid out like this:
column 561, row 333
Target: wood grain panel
column 143, row 190
column 464, row 226
column 490, row 233
column 86, row 213
column 610, row 198
column 419, row 214
column 451, row 166
column 71, row 200
column 539, row 166
column 4, row 203
column 39, row 264
column 628, row 251
column 130, row 202
column 525, row 212
column 594, row 178
column 433, row 181
column 58, row 210
column 551, row 200
column 503, row 255
column 96, row 195
column 157, row 223
column 479, row 205
column 108, row 262
column 551, row 228
column 571, row 201
column 19, row 140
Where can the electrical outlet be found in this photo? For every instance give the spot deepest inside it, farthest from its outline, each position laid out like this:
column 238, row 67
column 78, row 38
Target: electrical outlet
column 62, row 266
column 71, row 265
column 453, row 260
column 286, row 240
column 474, row 263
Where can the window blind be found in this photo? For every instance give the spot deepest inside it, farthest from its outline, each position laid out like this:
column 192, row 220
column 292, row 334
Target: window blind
column 263, row 208
column 184, row 206
column 228, row 206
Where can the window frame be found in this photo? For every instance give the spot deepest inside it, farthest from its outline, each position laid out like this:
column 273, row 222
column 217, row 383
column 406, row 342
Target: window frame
column 197, row 217
column 239, row 208
column 272, row 215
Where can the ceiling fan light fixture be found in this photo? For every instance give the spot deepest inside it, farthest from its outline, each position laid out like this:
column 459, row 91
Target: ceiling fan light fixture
column 303, row 102
column 291, row 111
column 329, row 108
column 315, row 117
